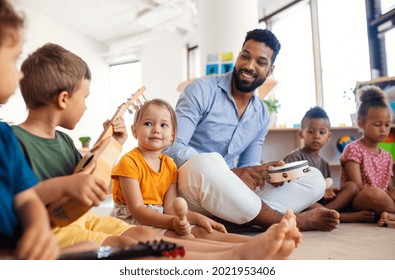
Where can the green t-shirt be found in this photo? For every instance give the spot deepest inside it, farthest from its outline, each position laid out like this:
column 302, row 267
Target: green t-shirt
column 48, row 157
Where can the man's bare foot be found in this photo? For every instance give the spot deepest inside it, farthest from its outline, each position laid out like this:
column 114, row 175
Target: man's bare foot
column 277, row 242
column 357, row 217
column 321, row 218
column 386, row 219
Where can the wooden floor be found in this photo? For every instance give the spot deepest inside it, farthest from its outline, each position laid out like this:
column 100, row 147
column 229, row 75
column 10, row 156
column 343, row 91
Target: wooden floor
column 346, row 242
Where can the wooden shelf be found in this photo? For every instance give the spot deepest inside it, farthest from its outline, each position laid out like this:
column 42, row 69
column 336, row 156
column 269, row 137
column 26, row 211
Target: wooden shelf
column 284, row 129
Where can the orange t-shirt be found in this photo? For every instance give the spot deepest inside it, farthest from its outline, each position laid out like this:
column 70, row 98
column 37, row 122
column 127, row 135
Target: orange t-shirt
column 153, row 185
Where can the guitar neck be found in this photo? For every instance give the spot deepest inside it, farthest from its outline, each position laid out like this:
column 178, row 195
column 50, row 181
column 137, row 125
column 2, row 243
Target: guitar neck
column 119, row 113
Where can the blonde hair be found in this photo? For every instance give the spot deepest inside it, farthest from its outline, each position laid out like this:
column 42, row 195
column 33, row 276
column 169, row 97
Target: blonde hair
column 162, row 103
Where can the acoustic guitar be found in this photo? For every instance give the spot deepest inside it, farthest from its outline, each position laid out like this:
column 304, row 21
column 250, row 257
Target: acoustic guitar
column 142, row 249
column 104, row 154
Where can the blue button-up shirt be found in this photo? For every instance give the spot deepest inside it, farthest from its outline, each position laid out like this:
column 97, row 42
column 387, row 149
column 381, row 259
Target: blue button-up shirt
column 208, row 121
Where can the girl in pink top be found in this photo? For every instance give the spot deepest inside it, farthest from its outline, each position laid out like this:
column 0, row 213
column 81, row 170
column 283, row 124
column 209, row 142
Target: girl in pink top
column 365, row 163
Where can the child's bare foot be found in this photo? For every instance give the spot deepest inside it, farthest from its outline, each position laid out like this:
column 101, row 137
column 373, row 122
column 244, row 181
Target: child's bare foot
column 386, row 219
column 357, row 217
column 320, row 218
column 292, row 238
column 277, row 242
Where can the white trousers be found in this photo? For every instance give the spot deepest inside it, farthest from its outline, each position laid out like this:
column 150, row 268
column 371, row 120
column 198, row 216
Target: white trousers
column 211, row 188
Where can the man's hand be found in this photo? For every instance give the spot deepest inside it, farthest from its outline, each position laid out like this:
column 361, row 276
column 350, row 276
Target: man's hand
column 255, row 176
column 270, row 165
column 251, row 176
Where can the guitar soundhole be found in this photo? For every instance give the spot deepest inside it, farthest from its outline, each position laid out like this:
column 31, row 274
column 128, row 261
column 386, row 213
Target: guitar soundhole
column 88, row 161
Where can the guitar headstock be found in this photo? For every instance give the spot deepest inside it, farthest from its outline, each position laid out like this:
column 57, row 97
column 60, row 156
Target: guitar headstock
column 136, row 100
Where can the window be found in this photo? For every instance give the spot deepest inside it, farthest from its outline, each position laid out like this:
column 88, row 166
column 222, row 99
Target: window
column 193, row 62
column 381, row 19
column 390, row 47
column 317, row 71
column 294, row 66
column 386, row 5
column 344, row 55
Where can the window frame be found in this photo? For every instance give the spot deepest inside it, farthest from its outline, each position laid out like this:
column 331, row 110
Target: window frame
column 378, row 25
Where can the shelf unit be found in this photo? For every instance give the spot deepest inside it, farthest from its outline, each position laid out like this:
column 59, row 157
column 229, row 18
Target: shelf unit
column 280, row 141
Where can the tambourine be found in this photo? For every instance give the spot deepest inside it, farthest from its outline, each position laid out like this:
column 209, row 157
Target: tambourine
column 289, row 171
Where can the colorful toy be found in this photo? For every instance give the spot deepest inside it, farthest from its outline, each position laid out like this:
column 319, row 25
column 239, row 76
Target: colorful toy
column 343, row 141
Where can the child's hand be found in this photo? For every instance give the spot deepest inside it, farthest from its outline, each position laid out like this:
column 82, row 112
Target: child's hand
column 85, row 187
column 330, row 193
column 119, row 129
column 37, row 243
column 210, row 224
column 182, row 227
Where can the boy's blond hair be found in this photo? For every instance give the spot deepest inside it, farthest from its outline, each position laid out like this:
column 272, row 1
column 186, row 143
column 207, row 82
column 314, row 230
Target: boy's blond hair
column 48, row 71
column 10, row 22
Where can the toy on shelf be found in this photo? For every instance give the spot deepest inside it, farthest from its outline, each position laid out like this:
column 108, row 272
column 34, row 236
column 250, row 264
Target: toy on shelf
column 343, row 141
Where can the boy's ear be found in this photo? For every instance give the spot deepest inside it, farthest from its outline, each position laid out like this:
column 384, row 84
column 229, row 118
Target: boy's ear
column 300, row 133
column 62, row 99
column 329, row 136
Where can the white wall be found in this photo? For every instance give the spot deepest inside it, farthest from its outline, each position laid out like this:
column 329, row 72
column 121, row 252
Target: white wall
column 266, row 7
column 164, row 67
column 41, row 29
column 163, row 70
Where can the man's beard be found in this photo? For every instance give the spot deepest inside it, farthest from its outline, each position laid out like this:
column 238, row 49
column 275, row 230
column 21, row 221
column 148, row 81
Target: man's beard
column 246, row 87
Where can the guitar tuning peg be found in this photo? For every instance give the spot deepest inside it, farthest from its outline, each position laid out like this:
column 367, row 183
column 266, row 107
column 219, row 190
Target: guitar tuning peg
column 135, row 107
column 139, row 103
column 130, row 111
column 141, row 100
column 145, row 99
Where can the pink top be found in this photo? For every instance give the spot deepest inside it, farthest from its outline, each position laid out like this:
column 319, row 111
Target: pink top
column 376, row 169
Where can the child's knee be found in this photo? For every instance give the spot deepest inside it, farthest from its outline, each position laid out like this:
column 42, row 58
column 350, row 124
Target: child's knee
column 351, row 187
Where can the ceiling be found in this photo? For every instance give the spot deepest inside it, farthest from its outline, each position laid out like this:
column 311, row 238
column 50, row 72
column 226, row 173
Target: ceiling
column 120, row 24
